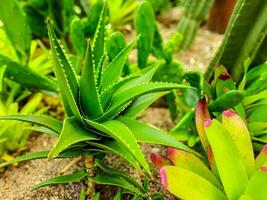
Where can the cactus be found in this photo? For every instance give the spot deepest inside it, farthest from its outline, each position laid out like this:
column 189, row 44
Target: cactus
column 195, row 13
column 243, row 40
column 77, row 36
column 145, row 26
column 115, row 44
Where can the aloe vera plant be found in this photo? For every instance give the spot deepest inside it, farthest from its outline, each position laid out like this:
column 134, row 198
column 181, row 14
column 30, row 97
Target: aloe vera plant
column 101, row 108
column 232, row 172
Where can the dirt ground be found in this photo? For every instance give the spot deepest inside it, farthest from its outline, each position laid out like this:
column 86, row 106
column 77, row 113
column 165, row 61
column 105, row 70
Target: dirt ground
column 16, row 183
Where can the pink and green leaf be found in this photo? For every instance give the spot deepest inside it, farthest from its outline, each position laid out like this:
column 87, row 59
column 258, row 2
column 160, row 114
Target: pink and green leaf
column 190, row 162
column 257, row 187
column 228, row 160
column 239, row 133
column 186, row 184
column 261, row 158
column 201, row 115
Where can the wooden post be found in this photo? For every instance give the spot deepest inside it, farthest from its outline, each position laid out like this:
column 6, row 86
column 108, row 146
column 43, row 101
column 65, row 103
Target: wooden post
column 220, row 14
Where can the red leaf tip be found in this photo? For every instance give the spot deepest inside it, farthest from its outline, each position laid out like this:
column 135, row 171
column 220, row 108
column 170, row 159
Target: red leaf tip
column 163, row 177
column 229, row 113
column 170, row 151
column 224, row 76
column 264, row 168
column 157, row 159
column 207, row 122
column 264, row 149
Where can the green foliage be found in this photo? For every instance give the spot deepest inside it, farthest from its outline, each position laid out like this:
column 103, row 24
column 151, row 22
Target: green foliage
column 95, row 106
column 231, row 158
column 16, row 27
column 121, row 12
column 145, row 26
column 14, row 135
column 241, row 42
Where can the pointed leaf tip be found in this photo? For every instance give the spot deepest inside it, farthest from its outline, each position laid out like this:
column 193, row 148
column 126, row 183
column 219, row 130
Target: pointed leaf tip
column 229, row 113
column 261, row 158
column 157, row 159
column 201, row 114
column 207, row 122
column 225, row 76
column 163, row 177
column 264, row 168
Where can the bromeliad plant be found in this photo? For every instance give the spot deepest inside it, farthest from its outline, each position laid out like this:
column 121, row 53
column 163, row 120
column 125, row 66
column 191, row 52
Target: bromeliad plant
column 232, row 172
column 236, row 73
column 101, row 108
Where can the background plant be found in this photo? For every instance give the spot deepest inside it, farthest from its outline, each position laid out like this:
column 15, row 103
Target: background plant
column 194, row 14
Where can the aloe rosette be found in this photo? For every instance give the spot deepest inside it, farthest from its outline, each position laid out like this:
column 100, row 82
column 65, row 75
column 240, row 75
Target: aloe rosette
column 230, row 171
column 101, row 109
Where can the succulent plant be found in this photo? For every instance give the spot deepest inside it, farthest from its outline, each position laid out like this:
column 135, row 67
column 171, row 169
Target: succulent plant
column 195, row 12
column 231, row 171
column 101, row 108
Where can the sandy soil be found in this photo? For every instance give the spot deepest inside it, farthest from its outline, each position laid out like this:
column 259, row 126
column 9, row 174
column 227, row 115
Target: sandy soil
column 16, row 183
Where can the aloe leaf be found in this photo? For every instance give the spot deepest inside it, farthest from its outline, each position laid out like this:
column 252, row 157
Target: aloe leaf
column 98, row 46
column 41, row 120
column 89, row 96
column 118, row 174
column 116, row 148
column 261, row 159
column 257, row 187
column 17, row 27
column 146, row 76
column 141, row 103
column 148, row 134
column 26, row 157
column 186, row 184
column 72, row 133
column 66, row 76
column 113, row 71
column 201, row 114
column 115, row 181
column 242, row 42
column 228, row 160
column 121, row 99
column 42, row 129
column 62, row 179
column 228, row 100
column 107, row 94
column 239, row 133
column 26, row 76
column 124, row 136
column 192, row 163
